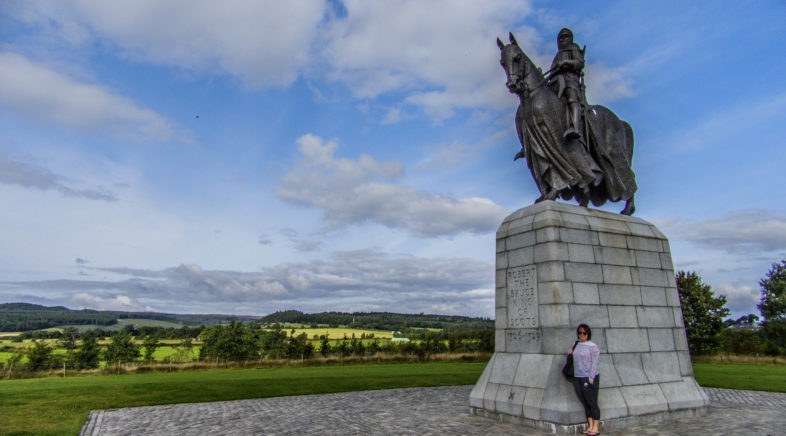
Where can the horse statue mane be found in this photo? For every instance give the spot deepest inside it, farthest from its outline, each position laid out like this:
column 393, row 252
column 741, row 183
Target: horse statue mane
column 592, row 166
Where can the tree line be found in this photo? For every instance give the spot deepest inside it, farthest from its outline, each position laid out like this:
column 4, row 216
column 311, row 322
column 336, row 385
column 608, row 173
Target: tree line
column 377, row 320
column 708, row 333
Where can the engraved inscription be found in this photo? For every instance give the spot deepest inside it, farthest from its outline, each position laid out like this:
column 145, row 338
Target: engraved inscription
column 522, row 286
column 524, row 341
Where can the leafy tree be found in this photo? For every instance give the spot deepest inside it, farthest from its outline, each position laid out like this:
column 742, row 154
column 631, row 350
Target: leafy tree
column 40, row 356
column 232, row 342
column 149, row 345
column 87, row 357
column 702, row 312
column 324, row 347
column 773, row 308
column 68, row 341
column 773, row 293
column 121, row 348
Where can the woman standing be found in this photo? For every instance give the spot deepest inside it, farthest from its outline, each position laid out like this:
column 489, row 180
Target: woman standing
column 586, row 358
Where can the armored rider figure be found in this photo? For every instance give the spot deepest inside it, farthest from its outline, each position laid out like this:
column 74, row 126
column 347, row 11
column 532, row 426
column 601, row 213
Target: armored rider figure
column 567, row 71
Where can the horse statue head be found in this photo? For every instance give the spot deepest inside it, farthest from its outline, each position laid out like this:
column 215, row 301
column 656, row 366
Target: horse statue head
column 522, row 74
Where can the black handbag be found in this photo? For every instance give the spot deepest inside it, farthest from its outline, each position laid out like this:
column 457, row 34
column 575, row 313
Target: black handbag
column 567, row 370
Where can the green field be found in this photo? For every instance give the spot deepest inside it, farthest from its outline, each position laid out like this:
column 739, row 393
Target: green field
column 743, row 376
column 338, row 333
column 60, row 406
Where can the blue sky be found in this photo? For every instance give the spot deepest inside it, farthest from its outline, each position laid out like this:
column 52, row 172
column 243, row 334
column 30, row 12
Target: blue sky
column 246, row 157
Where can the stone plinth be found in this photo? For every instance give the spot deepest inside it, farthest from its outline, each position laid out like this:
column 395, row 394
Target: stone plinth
column 559, row 265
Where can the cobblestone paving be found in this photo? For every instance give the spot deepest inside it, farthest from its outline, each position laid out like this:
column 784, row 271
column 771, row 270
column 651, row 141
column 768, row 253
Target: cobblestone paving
column 416, row 411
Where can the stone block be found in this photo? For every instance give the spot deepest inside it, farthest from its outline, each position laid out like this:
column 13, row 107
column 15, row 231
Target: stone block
column 599, row 338
column 648, row 277
column 533, row 370
column 583, row 272
column 501, row 245
column 615, row 240
column 623, row 295
column 617, row 275
column 641, row 230
column 559, row 400
column 549, row 251
column 510, row 400
column 680, row 339
column 614, row 256
column 661, row 339
column 672, row 296
column 678, row 321
column 581, row 253
column 532, row 402
column 499, row 341
column 627, row 340
column 500, row 280
column 490, row 397
column 646, row 244
column 648, row 259
column 555, row 292
column 575, row 221
column 476, row 396
column 500, row 318
column 578, row 236
column 665, row 261
column 661, row 366
column 504, row 369
column 523, row 340
column 554, row 315
column 644, row 399
column 655, row 316
column 686, row 366
column 592, row 315
column 551, row 272
column 502, row 230
column 622, row 316
column 520, row 240
column 500, row 298
column 520, row 257
column 502, row 260
column 609, row 377
column 629, row 369
column 612, row 404
column 682, row 394
column 520, row 225
column 547, row 234
column 558, row 340
column 585, row 293
column 603, row 224
column 653, row 296
column 547, row 218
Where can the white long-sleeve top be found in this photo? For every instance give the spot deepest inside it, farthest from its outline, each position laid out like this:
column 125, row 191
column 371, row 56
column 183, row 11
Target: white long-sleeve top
column 586, row 358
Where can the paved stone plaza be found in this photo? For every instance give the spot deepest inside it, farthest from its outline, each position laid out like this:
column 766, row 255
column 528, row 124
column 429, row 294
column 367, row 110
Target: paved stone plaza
column 415, row 411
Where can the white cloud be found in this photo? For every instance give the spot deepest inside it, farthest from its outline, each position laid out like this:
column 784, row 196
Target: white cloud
column 124, row 303
column 605, row 84
column 349, row 191
column 36, row 92
column 442, row 49
column 344, row 281
column 737, row 232
column 34, row 176
column 262, row 42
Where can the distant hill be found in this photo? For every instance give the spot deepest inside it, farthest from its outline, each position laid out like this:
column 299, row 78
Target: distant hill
column 21, row 317
column 379, row 320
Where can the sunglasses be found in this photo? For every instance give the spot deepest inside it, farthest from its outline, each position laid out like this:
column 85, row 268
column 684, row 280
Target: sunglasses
column 582, row 332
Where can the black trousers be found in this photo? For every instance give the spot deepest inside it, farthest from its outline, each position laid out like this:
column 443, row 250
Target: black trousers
column 588, row 395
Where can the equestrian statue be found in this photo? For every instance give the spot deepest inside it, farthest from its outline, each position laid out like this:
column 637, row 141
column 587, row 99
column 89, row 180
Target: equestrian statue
column 572, row 149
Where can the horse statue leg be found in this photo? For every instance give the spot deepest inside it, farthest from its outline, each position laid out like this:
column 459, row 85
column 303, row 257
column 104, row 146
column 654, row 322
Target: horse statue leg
column 630, row 207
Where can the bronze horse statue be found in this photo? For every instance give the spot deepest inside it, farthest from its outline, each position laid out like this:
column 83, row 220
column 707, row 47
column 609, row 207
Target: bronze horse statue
column 596, row 169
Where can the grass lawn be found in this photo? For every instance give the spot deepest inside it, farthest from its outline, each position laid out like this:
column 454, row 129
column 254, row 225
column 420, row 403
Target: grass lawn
column 741, row 376
column 60, row 406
